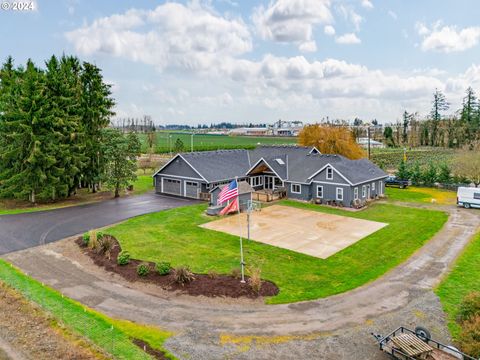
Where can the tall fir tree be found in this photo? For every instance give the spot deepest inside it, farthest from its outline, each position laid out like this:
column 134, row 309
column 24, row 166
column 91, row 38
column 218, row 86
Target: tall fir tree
column 439, row 104
column 96, row 110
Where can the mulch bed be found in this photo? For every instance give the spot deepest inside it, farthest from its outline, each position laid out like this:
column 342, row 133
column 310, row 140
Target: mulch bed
column 217, row 286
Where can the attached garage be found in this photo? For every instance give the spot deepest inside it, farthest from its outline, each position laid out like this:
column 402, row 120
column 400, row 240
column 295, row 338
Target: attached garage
column 192, row 189
column 172, row 186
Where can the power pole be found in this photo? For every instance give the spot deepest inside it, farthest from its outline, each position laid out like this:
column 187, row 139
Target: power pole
column 368, row 133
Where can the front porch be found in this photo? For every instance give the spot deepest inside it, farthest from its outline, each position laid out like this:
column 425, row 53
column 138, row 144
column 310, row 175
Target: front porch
column 267, row 195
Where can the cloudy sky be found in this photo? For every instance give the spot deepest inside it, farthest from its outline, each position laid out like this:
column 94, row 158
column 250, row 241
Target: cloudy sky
column 258, row 61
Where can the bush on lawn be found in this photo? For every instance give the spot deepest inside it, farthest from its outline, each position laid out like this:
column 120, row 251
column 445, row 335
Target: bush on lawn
column 86, row 239
column 255, row 280
column 163, row 268
column 92, row 243
column 469, row 307
column 143, row 269
column 123, row 258
column 470, row 336
column 236, row 273
column 105, row 245
column 212, row 274
column 100, row 235
column 183, row 275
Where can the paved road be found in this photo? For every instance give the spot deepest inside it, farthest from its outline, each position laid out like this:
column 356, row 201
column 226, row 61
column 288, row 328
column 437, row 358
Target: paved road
column 22, row 231
column 402, row 296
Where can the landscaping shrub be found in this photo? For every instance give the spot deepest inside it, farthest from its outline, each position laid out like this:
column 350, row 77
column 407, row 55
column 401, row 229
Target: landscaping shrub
column 123, row 258
column 143, row 269
column 212, row 274
column 92, row 243
column 163, row 268
column 236, row 273
column 183, row 275
column 100, row 235
column 470, row 336
column 470, row 307
column 86, row 238
column 105, row 245
column 255, row 281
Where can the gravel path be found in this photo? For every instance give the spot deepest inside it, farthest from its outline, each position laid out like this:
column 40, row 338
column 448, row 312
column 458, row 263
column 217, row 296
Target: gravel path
column 331, row 328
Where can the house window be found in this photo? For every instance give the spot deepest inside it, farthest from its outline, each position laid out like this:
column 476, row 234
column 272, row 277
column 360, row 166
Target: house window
column 339, row 194
column 355, row 193
column 319, row 191
column 373, row 186
column 329, row 173
column 256, row 181
column 364, row 191
column 296, row 189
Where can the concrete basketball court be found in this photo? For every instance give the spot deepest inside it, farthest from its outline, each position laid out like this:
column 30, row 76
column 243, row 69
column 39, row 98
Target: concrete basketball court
column 308, row 232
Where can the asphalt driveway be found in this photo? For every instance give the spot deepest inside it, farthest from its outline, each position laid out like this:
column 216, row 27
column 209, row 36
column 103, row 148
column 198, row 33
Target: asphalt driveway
column 22, row 231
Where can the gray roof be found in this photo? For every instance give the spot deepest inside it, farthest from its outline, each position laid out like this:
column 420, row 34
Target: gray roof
column 292, row 163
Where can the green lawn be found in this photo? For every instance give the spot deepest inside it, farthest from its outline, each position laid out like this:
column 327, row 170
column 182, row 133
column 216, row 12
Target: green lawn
column 463, row 279
column 175, row 236
column 203, row 142
column 422, row 195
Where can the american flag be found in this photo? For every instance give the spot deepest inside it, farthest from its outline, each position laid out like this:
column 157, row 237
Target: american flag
column 228, row 192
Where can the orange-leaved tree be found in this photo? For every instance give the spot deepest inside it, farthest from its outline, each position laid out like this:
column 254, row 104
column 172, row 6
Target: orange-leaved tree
column 330, row 139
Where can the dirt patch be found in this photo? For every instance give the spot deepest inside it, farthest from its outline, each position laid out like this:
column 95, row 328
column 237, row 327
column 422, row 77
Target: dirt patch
column 32, row 334
column 210, row 286
column 157, row 354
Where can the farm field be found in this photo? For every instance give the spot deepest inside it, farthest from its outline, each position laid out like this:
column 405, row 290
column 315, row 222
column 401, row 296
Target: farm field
column 176, row 237
column 422, row 195
column 389, row 158
column 204, row 142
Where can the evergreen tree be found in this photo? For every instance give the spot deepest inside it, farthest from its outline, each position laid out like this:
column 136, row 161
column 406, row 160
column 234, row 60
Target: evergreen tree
column 120, row 156
column 439, row 104
column 429, row 176
column 388, row 135
column 402, row 171
column 28, row 168
column 444, row 174
column 96, row 110
column 416, row 174
column 406, row 121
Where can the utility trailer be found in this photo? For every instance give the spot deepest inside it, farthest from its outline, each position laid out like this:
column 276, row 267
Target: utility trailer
column 406, row 344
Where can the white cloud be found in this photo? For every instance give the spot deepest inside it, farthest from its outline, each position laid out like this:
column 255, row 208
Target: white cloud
column 447, row 39
column 329, row 30
column 393, row 14
column 190, row 37
column 291, row 21
column 367, row 4
column 348, row 39
column 350, row 15
column 309, row 46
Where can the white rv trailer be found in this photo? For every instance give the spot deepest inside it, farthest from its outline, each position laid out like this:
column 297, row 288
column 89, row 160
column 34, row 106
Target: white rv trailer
column 468, row 197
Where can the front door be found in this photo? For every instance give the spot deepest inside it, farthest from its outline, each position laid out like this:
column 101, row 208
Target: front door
column 368, row 191
column 269, row 181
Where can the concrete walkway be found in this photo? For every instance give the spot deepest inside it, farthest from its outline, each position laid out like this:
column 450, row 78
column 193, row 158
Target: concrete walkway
column 401, row 296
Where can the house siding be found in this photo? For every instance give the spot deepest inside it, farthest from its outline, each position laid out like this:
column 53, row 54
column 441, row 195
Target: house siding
column 322, row 176
column 330, row 192
column 305, row 193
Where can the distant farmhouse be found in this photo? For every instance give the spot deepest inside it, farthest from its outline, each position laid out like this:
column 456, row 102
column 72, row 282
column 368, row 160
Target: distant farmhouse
column 301, row 173
column 279, row 128
column 363, row 142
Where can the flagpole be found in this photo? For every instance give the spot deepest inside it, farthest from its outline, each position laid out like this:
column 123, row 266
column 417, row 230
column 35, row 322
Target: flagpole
column 242, row 264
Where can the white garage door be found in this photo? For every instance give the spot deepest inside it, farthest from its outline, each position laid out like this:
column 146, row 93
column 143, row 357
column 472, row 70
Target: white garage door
column 172, row 186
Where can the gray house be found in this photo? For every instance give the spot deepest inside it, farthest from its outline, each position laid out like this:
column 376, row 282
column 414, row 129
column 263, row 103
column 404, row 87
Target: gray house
column 302, row 173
